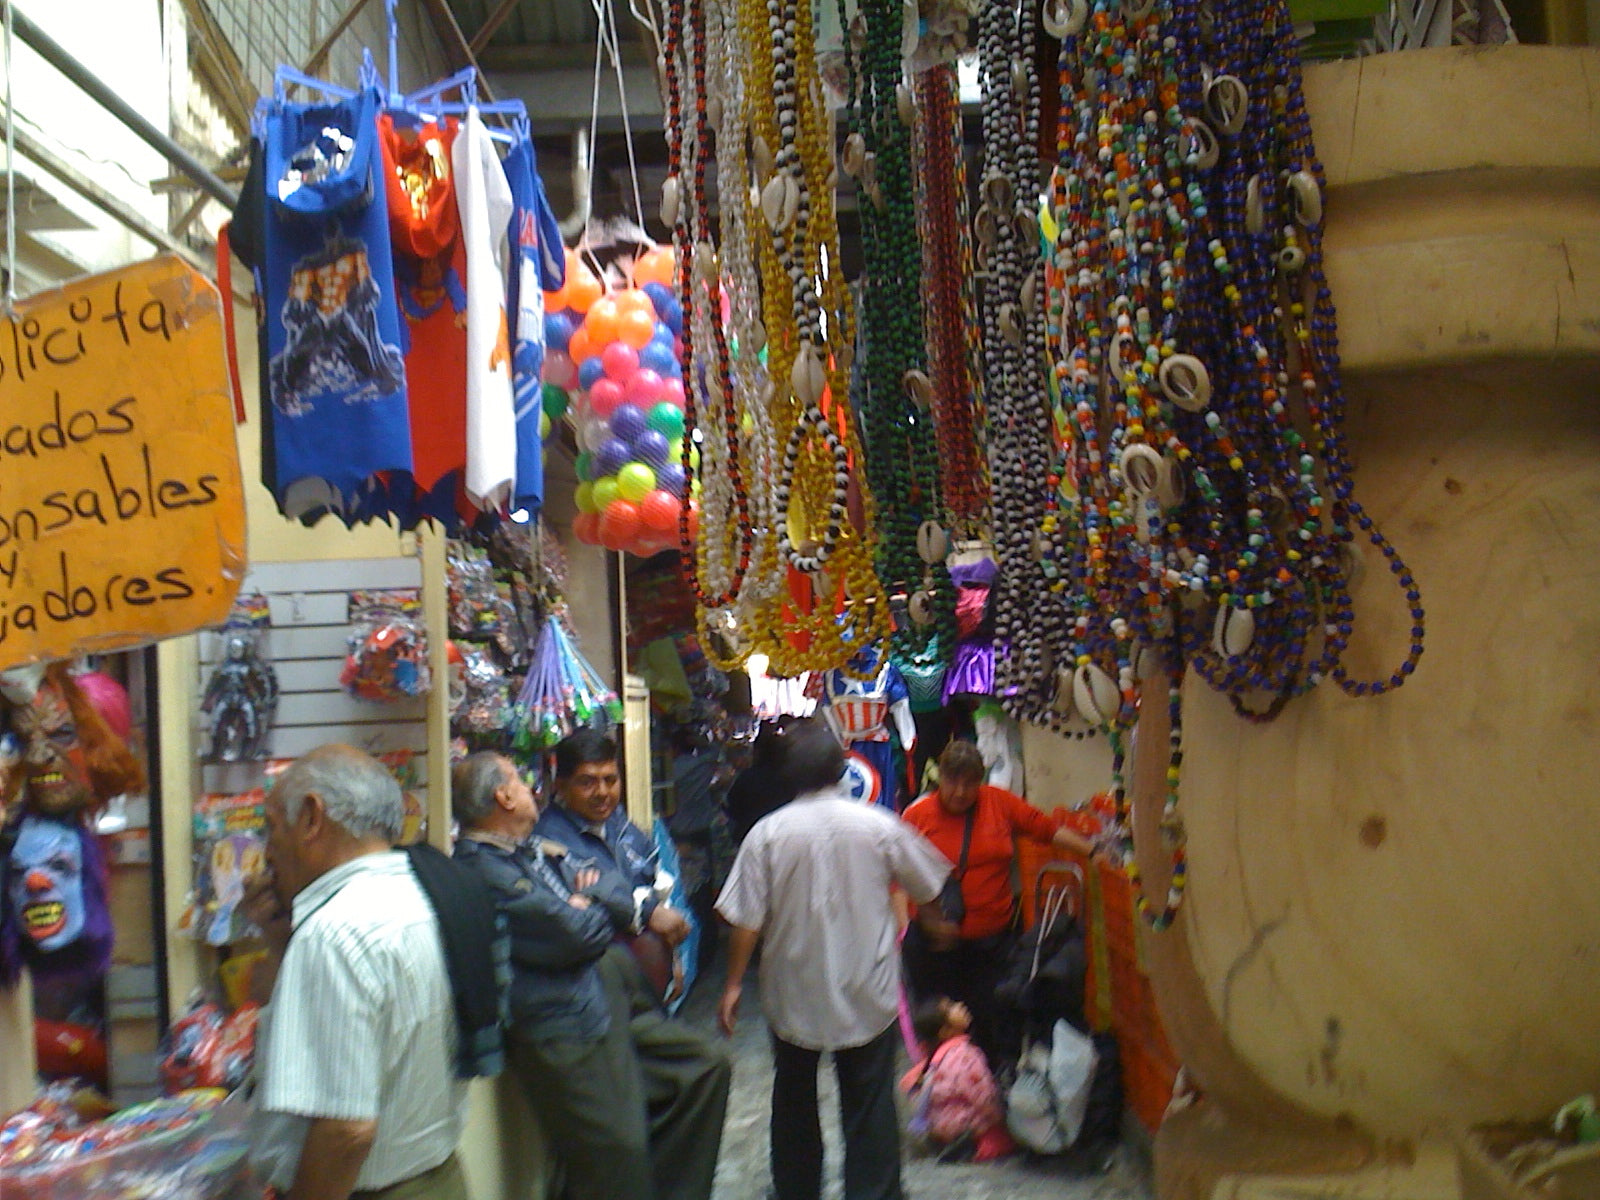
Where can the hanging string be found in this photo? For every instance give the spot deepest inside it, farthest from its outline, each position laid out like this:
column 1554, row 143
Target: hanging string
column 606, row 39
column 11, row 180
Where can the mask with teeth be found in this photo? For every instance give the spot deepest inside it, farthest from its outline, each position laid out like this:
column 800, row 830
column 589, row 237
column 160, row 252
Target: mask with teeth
column 53, row 914
column 65, row 757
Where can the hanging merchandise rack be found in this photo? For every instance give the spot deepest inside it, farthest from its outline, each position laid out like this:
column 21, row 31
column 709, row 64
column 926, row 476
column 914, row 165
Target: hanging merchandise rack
column 400, row 359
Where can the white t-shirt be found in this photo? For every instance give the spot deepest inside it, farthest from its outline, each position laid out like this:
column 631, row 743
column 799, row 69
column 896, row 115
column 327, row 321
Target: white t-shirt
column 485, row 202
column 361, row 1027
column 814, row 878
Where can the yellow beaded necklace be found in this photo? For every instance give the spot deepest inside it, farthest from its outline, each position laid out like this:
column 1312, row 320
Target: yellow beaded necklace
column 807, row 316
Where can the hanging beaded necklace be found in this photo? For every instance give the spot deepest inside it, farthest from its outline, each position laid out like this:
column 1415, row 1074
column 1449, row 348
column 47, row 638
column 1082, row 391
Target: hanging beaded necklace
column 699, row 291
column 950, row 309
column 737, row 212
column 1189, row 203
column 807, row 318
column 1030, row 637
column 900, row 442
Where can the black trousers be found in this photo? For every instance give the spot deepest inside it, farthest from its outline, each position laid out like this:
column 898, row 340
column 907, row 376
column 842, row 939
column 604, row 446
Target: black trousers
column 867, row 1110
column 969, row 972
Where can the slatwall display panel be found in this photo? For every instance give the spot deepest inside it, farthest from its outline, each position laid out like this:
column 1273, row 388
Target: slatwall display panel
column 306, row 645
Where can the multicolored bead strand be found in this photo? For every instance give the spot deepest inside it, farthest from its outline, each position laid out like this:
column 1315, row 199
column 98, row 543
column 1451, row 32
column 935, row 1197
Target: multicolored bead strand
column 1186, row 294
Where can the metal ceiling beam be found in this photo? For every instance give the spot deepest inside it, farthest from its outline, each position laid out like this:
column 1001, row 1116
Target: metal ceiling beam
column 558, row 99
column 455, row 42
column 53, row 53
column 33, row 148
column 491, row 25
column 325, row 47
column 548, row 56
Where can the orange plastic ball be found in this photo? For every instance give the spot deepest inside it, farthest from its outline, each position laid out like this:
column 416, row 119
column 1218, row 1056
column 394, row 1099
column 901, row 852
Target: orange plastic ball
column 603, row 321
column 583, row 289
column 659, row 511
column 619, row 525
column 636, row 328
column 633, row 300
column 581, row 346
column 586, row 526
column 654, row 266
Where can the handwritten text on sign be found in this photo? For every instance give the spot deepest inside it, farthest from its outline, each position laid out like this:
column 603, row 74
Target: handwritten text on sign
column 121, row 504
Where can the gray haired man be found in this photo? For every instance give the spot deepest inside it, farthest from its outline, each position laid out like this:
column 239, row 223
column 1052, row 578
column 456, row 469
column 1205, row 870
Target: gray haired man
column 358, row 1092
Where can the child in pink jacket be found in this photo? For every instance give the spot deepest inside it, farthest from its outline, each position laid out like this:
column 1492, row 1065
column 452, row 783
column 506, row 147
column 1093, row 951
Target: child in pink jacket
column 954, row 1102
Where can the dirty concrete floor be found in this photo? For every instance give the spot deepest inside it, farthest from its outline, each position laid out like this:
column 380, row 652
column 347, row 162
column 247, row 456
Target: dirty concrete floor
column 743, row 1172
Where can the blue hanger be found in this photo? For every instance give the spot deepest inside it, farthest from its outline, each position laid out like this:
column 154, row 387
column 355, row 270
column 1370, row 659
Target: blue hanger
column 286, row 77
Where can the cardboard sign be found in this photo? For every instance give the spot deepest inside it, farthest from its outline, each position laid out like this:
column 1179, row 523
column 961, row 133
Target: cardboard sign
column 121, row 504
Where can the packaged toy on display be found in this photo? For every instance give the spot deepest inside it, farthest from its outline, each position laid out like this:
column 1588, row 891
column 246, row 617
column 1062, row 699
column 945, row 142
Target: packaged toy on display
column 186, row 1147
column 208, row 1048
column 388, row 659
column 241, row 697
column 230, row 837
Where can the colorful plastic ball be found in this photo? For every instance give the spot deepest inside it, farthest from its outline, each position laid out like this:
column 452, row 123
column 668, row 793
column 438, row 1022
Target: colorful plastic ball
column 671, row 316
column 620, row 361
column 635, row 300
column 592, row 434
column 544, row 425
column 586, row 527
column 583, row 497
column 644, row 389
column 619, row 525
column 605, row 492
column 654, row 266
column 584, row 291
column 669, row 478
column 603, row 320
column 604, row 397
column 627, row 423
column 636, row 328
column 659, row 511
column 657, row 356
column 590, row 370
column 672, row 391
column 559, row 369
column 555, row 401
column 612, row 456
column 666, row 418
column 659, row 294
column 558, row 329
column 580, row 346
column 636, row 481
column 584, row 466
column 653, row 449
column 649, row 547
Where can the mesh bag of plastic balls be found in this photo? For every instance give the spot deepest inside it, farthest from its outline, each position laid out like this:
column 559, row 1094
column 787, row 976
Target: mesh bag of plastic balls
column 388, row 657
column 187, row 1147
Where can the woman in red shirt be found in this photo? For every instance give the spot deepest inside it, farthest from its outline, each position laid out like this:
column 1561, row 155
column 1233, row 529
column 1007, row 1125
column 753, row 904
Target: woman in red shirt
column 962, row 954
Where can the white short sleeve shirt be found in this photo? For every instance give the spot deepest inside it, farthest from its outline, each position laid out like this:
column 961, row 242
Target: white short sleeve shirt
column 361, row 1026
column 814, row 878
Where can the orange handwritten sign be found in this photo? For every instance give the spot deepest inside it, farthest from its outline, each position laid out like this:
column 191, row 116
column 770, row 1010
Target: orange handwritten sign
column 121, row 503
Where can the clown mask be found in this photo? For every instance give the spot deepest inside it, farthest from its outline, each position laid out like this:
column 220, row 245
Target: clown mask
column 45, row 881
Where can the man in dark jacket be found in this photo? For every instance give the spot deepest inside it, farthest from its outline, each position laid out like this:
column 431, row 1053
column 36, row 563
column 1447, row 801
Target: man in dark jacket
column 632, row 1102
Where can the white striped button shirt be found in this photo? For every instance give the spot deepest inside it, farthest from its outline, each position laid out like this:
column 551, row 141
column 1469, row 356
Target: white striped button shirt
column 361, row 1026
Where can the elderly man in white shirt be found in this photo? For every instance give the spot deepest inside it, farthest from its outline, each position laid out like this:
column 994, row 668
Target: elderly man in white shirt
column 358, row 1091
column 812, row 880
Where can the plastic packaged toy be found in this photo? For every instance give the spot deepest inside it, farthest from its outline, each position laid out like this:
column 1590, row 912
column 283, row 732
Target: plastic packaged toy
column 388, row 658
